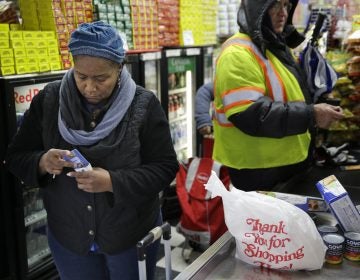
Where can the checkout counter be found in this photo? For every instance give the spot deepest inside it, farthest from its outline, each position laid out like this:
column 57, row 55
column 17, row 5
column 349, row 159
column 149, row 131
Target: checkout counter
column 219, row 262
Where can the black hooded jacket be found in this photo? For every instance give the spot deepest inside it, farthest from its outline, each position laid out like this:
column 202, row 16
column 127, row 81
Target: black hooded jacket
column 267, row 118
column 141, row 165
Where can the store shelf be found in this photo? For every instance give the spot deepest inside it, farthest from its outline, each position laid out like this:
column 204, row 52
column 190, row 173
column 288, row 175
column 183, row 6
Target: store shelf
column 177, row 119
column 177, row 90
column 38, row 256
column 33, row 218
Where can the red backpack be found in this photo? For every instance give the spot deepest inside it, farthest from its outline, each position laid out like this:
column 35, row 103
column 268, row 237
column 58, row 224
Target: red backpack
column 202, row 218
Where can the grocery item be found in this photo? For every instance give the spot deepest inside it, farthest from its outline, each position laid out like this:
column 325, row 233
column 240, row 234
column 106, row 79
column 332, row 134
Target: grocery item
column 352, row 246
column 335, row 244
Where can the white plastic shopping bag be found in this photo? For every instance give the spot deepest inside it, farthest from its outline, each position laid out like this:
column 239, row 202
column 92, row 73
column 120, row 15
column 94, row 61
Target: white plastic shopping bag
column 269, row 232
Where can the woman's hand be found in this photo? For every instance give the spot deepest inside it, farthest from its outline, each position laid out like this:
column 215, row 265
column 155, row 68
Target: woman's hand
column 326, row 114
column 93, row 181
column 52, row 162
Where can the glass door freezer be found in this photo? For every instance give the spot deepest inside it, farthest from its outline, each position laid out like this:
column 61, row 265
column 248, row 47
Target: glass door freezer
column 180, row 72
column 28, row 253
column 144, row 67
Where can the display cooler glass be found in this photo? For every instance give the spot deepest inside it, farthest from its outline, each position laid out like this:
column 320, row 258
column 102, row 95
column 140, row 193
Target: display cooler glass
column 179, row 84
column 145, row 69
column 31, row 254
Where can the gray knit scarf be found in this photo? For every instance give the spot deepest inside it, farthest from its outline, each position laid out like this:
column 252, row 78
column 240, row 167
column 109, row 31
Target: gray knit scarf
column 70, row 121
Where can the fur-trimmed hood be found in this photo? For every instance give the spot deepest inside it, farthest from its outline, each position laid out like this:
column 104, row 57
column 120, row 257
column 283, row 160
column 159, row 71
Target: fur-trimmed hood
column 250, row 19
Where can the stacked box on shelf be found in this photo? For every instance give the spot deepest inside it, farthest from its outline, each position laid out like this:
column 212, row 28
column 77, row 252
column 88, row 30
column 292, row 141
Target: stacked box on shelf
column 124, row 20
column 168, row 22
column 51, row 19
column 227, row 17
column 61, row 17
column 190, row 22
column 144, row 14
column 75, row 12
column 29, row 15
column 118, row 14
column 198, row 22
column 209, row 16
column 6, row 53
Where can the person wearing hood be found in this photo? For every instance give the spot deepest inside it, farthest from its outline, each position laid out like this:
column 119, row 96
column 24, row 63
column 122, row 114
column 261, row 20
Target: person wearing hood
column 264, row 117
column 96, row 217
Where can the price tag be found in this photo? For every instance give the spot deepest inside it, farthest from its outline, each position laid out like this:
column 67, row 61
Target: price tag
column 188, row 38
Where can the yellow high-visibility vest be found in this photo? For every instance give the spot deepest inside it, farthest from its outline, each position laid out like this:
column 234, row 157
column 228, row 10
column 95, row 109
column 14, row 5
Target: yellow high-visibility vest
column 242, row 76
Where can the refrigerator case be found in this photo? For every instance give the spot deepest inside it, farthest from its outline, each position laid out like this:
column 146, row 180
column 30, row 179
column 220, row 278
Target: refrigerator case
column 179, row 81
column 144, row 67
column 6, row 239
column 29, row 254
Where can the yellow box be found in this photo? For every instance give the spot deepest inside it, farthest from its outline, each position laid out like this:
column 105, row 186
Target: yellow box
column 32, row 68
column 49, row 34
column 7, row 70
column 42, row 59
column 39, row 35
column 7, row 61
column 4, row 44
column 4, row 27
column 48, row 25
column 42, row 52
column 41, row 43
column 44, row 67
column 32, row 60
column 19, row 52
column 4, row 35
column 21, row 69
column 29, row 35
column 15, row 26
column 52, row 43
column 6, row 52
column 17, row 43
column 16, row 34
column 28, row 26
column 31, row 52
column 29, row 43
column 54, row 58
column 21, row 60
column 55, row 66
column 53, row 51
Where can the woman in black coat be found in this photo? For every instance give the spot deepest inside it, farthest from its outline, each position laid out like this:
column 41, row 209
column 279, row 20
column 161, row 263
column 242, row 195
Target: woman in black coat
column 95, row 217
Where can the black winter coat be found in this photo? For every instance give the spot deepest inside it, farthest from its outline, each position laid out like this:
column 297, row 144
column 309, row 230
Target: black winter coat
column 142, row 165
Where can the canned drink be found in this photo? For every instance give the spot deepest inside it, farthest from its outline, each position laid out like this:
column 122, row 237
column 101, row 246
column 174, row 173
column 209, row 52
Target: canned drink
column 352, row 246
column 324, row 229
column 335, row 244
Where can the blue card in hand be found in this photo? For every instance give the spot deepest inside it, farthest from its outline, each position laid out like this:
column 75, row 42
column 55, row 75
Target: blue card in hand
column 80, row 163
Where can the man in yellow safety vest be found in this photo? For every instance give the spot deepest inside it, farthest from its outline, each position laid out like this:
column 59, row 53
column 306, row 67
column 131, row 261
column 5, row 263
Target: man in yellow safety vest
column 264, row 115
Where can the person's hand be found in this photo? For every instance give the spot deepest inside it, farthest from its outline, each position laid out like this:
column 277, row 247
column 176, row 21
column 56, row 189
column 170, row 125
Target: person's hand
column 205, row 130
column 93, row 181
column 52, row 162
column 326, row 114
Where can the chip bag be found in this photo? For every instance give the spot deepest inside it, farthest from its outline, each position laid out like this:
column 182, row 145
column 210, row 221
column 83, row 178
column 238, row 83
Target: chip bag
column 269, row 232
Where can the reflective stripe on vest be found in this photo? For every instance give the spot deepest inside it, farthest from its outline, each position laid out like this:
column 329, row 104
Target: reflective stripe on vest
column 276, row 87
column 247, row 94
